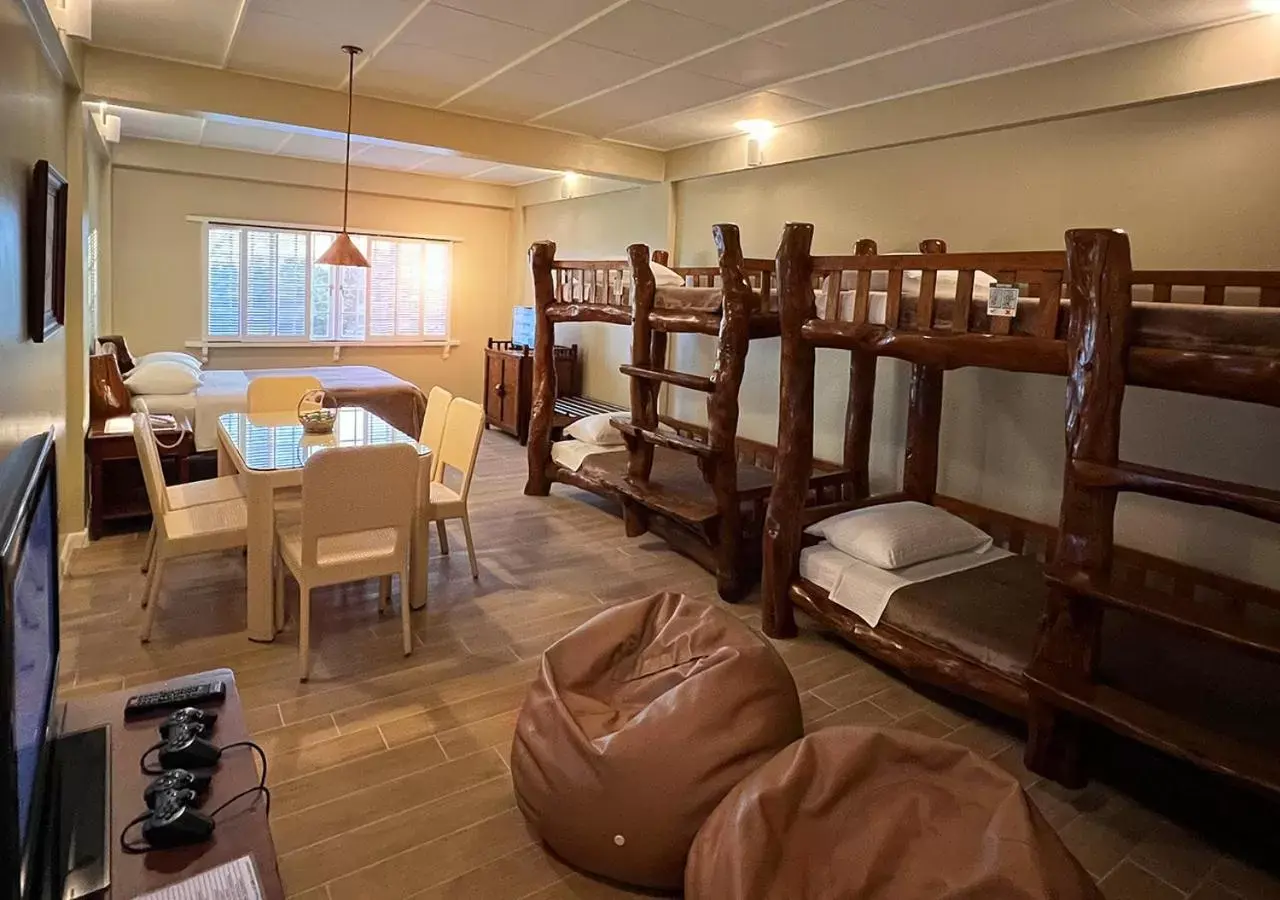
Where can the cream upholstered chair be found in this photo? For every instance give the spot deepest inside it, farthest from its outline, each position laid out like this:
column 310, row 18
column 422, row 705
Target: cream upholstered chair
column 279, row 393
column 463, row 429
column 205, row 528
column 433, row 423
column 194, row 493
column 357, row 523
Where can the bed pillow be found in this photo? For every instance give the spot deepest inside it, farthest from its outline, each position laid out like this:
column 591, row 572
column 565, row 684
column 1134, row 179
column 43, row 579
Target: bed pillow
column 665, row 277
column 597, row 430
column 849, row 281
column 163, row 377
column 171, row 356
column 947, row 282
column 900, row 534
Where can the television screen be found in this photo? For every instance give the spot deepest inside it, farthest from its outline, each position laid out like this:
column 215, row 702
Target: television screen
column 33, row 650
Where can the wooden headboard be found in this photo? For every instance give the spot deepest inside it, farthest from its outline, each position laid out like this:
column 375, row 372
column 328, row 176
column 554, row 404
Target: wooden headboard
column 115, row 345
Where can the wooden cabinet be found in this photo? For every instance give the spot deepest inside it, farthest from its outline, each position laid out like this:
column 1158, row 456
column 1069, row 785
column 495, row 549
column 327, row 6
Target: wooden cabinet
column 508, row 384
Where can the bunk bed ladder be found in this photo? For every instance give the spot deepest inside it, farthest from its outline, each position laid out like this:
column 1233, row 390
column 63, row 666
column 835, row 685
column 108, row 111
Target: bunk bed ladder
column 717, row 455
column 1062, row 680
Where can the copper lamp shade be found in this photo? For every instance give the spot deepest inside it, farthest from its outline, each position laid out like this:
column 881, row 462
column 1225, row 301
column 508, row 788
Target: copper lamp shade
column 342, row 252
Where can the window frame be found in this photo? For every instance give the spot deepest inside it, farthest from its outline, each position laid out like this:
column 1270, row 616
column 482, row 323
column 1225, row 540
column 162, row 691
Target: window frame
column 307, row 340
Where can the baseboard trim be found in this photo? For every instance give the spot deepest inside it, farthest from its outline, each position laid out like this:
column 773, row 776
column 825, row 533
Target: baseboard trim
column 70, row 544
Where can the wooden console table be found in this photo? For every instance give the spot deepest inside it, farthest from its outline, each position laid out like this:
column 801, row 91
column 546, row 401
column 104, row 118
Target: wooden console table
column 241, row 828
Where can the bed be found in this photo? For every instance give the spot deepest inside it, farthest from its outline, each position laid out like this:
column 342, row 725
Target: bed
column 397, row 401
column 1025, row 634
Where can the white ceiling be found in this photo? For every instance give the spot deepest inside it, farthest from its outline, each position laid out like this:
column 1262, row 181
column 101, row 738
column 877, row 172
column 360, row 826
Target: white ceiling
column 659, row 73
column 274, row 139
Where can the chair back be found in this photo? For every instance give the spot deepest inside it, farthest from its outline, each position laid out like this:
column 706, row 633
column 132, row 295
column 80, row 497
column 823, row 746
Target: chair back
column 433, row 423
column 347, row 490
column 462, row 431
column 279, row 393
column 152, row 472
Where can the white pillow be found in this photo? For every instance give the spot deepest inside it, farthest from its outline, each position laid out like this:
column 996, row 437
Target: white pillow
column 170, row 356
column 665, row 277
column 163, row 377
column 900, row 534
column 949, row 280
column 597, row 429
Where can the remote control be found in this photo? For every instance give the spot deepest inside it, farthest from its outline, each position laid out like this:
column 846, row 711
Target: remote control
column 175, row 698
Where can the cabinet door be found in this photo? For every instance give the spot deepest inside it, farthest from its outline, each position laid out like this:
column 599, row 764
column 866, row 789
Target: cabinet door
column 511, row 394
column 493, row 388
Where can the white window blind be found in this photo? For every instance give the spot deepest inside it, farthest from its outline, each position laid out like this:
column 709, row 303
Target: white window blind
column 265, row 284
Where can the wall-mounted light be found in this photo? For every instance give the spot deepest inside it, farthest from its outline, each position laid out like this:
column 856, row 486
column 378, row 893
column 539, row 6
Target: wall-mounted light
column 758, row 132
column 568, row 184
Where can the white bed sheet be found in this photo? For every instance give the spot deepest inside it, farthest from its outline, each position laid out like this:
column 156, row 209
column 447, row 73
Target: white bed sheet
column 572, row 454
column 220, row 391
column 865, row 590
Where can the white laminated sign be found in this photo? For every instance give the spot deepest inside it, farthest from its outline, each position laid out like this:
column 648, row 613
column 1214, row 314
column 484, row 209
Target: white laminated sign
column 1003, row 300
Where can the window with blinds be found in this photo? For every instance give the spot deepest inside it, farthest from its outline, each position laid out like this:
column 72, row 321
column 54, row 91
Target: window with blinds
column 265, row 284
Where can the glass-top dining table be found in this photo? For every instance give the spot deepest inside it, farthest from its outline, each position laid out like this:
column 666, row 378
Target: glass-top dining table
column 269, row 452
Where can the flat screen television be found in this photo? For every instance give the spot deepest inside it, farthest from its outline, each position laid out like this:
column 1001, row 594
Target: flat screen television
column 28, row 657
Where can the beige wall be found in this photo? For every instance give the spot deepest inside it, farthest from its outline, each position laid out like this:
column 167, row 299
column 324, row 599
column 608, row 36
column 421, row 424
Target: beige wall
column 598, row 227
column 157, row 263
column 1195, row 182
column 33, row 108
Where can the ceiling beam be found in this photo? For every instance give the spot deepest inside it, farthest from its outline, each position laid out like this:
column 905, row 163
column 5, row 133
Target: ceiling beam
column 148, row 83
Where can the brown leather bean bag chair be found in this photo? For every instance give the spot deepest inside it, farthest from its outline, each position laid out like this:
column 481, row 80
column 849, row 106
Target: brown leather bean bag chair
column 638, row 725
column 873, row 814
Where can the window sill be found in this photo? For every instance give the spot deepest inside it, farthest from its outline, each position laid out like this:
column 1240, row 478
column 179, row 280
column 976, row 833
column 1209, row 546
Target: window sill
column 445, row 347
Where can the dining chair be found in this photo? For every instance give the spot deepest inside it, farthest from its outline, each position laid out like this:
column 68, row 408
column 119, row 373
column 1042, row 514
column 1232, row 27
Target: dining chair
column 356, row 523
column 193, row 493
column 189, row 531
column 463, row 429
column 279, row 393
column 433, row 423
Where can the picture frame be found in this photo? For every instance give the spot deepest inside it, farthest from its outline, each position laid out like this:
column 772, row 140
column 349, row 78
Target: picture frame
column 46, row 253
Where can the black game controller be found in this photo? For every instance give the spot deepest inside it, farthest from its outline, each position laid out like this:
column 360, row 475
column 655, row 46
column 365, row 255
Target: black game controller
column 189, row 716
column 184, row 748
column 195, row 783
column 173, row 823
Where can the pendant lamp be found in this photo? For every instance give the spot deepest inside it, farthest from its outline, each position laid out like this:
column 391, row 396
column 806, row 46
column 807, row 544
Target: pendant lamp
column 343, row 252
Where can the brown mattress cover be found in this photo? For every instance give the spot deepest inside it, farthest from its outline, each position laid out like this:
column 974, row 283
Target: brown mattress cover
column 880, row 815
column 383, row 394
column 638, row 724
column 990, row 615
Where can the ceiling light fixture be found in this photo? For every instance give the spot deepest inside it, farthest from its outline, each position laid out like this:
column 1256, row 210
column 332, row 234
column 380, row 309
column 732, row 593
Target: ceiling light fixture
column 343, row 252
column 1266, row 7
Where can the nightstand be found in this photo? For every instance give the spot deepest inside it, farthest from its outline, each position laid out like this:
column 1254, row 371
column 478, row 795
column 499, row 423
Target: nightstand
column 117, row 495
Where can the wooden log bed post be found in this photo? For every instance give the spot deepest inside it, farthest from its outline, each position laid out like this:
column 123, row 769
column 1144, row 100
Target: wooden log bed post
column 924, row 405
column 861, row 405
column 644, row 393
column 542, row 256
column 1098, row 275
column 782, row 525
column 721, row 469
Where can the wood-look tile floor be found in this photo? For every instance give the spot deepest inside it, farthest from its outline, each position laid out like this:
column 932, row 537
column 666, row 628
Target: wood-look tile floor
column 390, row 775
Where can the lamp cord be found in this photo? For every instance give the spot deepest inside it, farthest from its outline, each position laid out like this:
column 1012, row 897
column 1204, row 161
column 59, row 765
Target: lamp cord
column 351, row 51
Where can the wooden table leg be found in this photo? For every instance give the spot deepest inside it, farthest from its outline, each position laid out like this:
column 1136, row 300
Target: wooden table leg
column 261, row 541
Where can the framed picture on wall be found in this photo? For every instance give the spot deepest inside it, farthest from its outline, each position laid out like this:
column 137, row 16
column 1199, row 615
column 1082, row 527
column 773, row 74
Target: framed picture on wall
column 46, row 253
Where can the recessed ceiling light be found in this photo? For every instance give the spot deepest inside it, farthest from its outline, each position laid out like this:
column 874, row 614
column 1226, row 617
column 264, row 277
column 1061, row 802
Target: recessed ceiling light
column 1270, row 7
column 760, row 129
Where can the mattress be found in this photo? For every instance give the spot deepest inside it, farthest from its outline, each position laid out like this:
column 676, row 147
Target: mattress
column 224, row 390
column 866, row 590
column 571, row 454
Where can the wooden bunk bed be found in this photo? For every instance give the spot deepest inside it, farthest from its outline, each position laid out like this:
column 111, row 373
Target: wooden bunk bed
column 999, row 633
column 698, row 494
